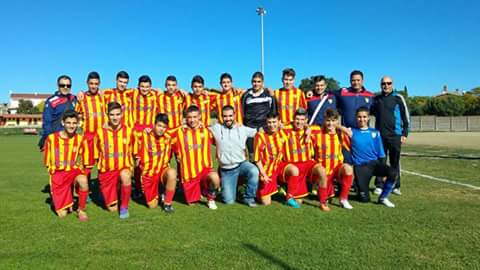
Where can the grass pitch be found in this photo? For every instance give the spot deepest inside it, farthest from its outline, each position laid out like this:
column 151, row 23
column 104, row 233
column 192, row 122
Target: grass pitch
column 435, row 226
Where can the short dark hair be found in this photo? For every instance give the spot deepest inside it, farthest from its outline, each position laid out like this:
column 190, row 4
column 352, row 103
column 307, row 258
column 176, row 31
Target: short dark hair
column 271, row 115
column 122, row 74
column 257, row 74
column 93, row 75
column 171, row 78
column 144, row 78
column 319, row 78
column 69, row 114
column 362, row 109
column 288, row 72
column 331, row 114
column 198, row 79
column 190, row 109
column 113, row 106
column 356, row 72
column 64, row 77
column 301, row 111
column 161, row 117
column 226, row 76
column 228, row 108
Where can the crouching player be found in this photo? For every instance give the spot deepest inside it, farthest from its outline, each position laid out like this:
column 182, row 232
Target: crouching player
column 369, row 159
column 193, row 147
column 155, row 152
column 298, row 164
column 115, row 160
column 327, row 144
column 62, row 149
column 268, row 147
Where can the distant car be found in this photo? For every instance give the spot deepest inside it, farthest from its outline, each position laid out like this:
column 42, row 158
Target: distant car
column 30, row 131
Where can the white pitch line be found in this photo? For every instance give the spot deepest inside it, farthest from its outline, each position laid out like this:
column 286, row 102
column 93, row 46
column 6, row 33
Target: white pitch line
column 442, row 180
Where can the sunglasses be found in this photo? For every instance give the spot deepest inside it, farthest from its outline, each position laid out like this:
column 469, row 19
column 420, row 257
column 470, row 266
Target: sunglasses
column 64, row 85
column 386, row 83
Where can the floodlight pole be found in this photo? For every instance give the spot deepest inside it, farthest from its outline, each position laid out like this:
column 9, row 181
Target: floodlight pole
column 261, row 12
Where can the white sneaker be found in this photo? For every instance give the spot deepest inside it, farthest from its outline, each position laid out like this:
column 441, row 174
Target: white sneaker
column 387, row 203
column 396, row 191
column 377, row 191
column 212, row 205
column 345, row 204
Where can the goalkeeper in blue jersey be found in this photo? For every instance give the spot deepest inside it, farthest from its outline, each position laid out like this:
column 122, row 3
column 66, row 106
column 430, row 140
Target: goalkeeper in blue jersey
column 369, row 159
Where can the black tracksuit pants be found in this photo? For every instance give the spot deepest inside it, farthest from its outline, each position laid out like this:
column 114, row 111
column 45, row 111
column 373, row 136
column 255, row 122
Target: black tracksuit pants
column 364, row 173
column 392, row 147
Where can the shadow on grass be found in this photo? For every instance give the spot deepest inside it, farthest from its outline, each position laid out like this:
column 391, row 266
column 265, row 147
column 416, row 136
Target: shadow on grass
column 268, row 256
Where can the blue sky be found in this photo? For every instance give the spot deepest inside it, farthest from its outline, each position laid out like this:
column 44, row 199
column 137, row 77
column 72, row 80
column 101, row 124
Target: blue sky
column 423, row 44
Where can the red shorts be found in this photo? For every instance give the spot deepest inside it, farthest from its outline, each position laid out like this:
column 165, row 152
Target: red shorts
column 193, row 188
column 270, row 188
column 297, row 186
column 90, row 156
column 61, row 188
column 109, row 182
column 150, row 185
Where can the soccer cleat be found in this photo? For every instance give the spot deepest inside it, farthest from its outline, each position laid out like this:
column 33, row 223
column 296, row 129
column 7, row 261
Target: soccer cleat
column 386, row 202
column 250, row 203
column 396, row 191
column 377, row 191
column 124, row 213
column 212, row 205
column 345, row 204
column 282, row 191
column 168, row 208
column 324, row 207
column 82, row 215
column 293, row 203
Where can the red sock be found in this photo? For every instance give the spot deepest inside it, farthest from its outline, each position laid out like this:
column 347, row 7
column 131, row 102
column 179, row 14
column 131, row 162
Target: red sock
column 125, row 193
column 330, row 189
column 292, row 186
column 82, row 199
column 346, row 184
column 169, row 196
column 322, row 194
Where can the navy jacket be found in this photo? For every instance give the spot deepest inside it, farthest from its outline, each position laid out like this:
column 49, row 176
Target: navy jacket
column 348, row 102
column 313, row 102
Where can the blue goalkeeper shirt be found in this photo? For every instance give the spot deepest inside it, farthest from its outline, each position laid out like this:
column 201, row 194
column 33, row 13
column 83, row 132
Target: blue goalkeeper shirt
column 366, row 145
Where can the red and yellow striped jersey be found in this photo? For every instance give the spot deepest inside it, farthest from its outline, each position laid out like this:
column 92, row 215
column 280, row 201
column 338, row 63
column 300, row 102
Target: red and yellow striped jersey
column 63, row 154
column 114, row 148
column 123, row 98
column 93, row 112
column 328, row 148
column 172, row 105
column 289, row 101
column 154, row 152
column 232, row 99
column 204, row 103
column 269, row 149
column 296, row 148
column 144, row 108
column 193, row 148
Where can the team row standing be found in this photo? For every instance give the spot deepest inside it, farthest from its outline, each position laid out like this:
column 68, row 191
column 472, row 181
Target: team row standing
column 140, row 107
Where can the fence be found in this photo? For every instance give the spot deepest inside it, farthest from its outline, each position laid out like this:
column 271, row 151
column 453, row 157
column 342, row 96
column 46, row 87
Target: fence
column 445, row 123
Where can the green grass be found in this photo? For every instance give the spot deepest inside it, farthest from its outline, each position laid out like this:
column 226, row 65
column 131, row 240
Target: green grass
column 435, row 226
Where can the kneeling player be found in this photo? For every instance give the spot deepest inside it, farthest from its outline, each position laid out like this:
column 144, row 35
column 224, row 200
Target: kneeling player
column 268, row 147
column 154, row 152
column 328, row 143
column 193, row 147
column 369, row 159
column 61, row 152
column 115, row 160
column 298, row 164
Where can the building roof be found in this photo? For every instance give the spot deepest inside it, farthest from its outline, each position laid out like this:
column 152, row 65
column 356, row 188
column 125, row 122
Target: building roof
column 29, row 96
column 14, row 116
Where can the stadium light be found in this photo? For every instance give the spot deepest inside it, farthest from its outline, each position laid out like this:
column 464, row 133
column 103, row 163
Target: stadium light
column 261, row 12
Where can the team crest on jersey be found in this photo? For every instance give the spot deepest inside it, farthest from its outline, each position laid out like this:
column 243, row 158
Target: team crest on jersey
column 125, row 141
column 202, row 136
column 330, row 101
column 367, row 100
column 374, row 135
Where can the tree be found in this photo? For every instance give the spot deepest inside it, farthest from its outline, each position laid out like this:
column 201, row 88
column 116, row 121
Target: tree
column 475, row 91
column 446, row 105
column 417, row 105
column 40, row 106
column 308, row 85
column 472, row 104
column 26, row 107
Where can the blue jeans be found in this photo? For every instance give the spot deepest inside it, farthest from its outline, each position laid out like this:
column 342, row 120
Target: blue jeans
column 230, row 181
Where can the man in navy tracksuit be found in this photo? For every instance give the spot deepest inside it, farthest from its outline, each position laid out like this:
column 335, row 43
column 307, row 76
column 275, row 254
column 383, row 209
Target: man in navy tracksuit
column 392, row 120
column 55, row 106
column 320, row 101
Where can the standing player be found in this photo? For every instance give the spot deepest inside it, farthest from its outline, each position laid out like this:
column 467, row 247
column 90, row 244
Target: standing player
column 369, row 159
column 121, row 95
column 115, row 163
column 230, row 97
column 201, row 100
column 62, row 150
column 298, row 161
column 289, row 99
column 171, row 103
column 154, row 152
column 193, row 148
column 328, row 142
column 320, row 101
column 268, row 157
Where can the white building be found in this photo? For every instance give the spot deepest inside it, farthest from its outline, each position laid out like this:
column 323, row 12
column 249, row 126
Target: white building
column 16, row 97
